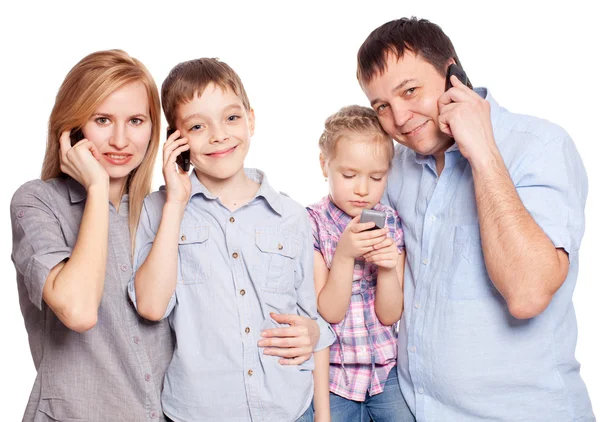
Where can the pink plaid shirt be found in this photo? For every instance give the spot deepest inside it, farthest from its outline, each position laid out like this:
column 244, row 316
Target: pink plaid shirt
column 365, row 350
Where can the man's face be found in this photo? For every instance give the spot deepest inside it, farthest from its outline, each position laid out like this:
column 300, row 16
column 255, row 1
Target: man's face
column 405, row 97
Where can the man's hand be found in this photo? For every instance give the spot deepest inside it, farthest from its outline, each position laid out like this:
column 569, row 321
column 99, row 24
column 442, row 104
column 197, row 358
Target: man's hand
column 294, row 344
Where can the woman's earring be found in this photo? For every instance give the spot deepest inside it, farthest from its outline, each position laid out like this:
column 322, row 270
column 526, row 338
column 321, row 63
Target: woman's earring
column 325, row 179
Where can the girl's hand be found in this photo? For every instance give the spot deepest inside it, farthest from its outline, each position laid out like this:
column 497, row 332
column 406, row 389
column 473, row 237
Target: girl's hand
column 179, row 186
column 355, row 241
column 385, row 254
column 323, row 416
column 81, row 162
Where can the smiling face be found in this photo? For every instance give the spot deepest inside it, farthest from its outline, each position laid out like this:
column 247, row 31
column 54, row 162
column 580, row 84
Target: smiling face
column 405, row 96
column 357, row 172
column 121, row 128
column 218, row 128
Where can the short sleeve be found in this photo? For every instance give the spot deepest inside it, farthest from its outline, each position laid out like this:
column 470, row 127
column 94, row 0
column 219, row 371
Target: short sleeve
column 313, row 217
column 38, row 241
column 553, row 189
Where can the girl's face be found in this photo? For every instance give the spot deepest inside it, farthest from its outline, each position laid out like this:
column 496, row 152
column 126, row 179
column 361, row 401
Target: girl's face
column 121, row 130
column 357, row 173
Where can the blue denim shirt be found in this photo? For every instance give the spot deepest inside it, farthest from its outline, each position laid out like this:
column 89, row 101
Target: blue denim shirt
column 234, row 269
column 462, row 356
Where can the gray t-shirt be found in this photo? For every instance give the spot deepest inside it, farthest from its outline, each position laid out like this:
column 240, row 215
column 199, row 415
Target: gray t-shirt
column 115, row 370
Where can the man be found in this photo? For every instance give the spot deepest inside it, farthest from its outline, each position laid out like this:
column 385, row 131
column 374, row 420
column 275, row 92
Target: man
column 493, row 211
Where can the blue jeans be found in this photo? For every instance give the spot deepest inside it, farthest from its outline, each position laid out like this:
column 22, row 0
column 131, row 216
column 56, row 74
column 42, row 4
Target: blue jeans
column 308, row 416
column 388, row 406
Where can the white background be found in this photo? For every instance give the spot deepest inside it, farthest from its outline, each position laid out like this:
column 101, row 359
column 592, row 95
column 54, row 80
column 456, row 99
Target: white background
column 297, row 61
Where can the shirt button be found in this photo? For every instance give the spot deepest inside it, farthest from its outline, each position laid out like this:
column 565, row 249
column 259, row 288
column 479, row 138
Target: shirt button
column 124, row 267
column 21, row 214
column 136, row 340
column 250, row 372
column 413, row 349
column 154, row 414
column 231, row 220
column 280, row 246
column 242, row 292
column 234, row 255
column 148, row 377
column 183, row 238
column 426, row 261
column 247, row 330
column 420, row 390
column 417, row 305
column 432, row 218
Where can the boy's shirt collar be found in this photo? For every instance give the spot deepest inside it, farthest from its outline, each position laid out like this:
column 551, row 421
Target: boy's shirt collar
column 265, row 190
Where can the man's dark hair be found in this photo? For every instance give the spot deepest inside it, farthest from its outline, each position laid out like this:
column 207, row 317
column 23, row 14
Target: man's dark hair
column 423, row 38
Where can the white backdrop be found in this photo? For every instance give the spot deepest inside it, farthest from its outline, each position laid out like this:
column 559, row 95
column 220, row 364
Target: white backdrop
column 297, row 61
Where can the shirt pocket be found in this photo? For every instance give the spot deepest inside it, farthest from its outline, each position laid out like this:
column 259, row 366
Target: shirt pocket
column 277, row 259
column 194, row 255
column 468, row 276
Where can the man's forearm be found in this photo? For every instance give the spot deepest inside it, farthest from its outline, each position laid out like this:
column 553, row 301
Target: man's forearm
column 521, row 260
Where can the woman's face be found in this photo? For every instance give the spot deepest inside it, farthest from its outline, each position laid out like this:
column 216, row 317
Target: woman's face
column 121, row 129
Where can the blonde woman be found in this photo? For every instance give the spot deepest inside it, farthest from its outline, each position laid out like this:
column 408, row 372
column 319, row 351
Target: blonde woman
column 96, row 359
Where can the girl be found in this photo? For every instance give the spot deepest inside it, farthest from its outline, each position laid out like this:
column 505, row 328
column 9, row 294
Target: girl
column 96, row 359
column 359, row 272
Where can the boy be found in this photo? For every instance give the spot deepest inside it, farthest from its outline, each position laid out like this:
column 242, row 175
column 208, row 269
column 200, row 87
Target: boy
column 227, row 252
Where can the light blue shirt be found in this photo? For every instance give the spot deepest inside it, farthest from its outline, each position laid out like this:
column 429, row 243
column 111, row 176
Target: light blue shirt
column 462, row 356
column 234, row 269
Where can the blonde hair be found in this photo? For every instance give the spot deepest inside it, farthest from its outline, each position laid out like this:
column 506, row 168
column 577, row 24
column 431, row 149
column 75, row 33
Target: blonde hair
column 353, row 119
column 190, row 78
column 85, row 87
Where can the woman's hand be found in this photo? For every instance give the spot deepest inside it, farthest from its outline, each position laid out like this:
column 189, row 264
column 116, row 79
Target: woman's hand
column 82, row 162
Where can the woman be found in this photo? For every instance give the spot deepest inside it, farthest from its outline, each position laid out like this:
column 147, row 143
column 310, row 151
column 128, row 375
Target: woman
column 96, row 359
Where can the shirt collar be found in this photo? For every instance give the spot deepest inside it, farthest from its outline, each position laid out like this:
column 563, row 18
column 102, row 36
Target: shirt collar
column 77, row 192
column 265, row 190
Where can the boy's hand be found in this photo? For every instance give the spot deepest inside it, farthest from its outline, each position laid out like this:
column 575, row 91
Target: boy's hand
column 179, row 186
column 355, row 241
column 385, row 254
column 295, row 343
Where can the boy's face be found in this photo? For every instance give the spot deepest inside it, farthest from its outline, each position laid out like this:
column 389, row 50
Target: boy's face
column 218, row 128
column 405, row 97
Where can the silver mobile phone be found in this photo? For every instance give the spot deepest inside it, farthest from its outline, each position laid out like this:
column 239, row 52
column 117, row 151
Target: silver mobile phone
column 378, row 217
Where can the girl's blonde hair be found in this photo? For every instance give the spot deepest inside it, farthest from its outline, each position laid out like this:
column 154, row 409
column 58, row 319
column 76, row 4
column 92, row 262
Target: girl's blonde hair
column 85, row 87
column 353, row 119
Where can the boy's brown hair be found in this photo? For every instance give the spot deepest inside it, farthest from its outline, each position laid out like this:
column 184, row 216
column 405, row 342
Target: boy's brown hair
column 190, row 78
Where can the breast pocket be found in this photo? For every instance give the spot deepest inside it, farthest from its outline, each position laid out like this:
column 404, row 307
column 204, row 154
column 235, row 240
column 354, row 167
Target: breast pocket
column 194, row 255
column 468, row 277
column 277, row 253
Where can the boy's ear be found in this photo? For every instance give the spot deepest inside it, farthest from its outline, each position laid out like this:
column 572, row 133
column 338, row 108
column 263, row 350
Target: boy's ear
column 251, row 121
column 323, row 163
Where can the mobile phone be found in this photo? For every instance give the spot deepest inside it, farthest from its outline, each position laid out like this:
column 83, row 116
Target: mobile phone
column 183, row 159
column 378, row 217
column 457, row 71
column 76, row 136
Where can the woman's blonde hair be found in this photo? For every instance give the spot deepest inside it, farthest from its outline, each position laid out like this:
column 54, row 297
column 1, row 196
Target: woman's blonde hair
column 85, row 87
column 353, row 119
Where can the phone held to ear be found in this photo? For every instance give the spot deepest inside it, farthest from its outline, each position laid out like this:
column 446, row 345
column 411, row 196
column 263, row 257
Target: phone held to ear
column 76, row 136
column 457, row 71
column 378, row 217
column 183, row 159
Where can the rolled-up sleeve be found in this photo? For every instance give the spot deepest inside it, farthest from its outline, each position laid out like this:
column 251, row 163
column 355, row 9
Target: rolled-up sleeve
column 553, row 188
column 38, row 241
column 305, row 285
column 144, row 239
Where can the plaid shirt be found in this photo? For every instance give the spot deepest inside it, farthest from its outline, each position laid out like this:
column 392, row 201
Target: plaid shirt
column 365, row 350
